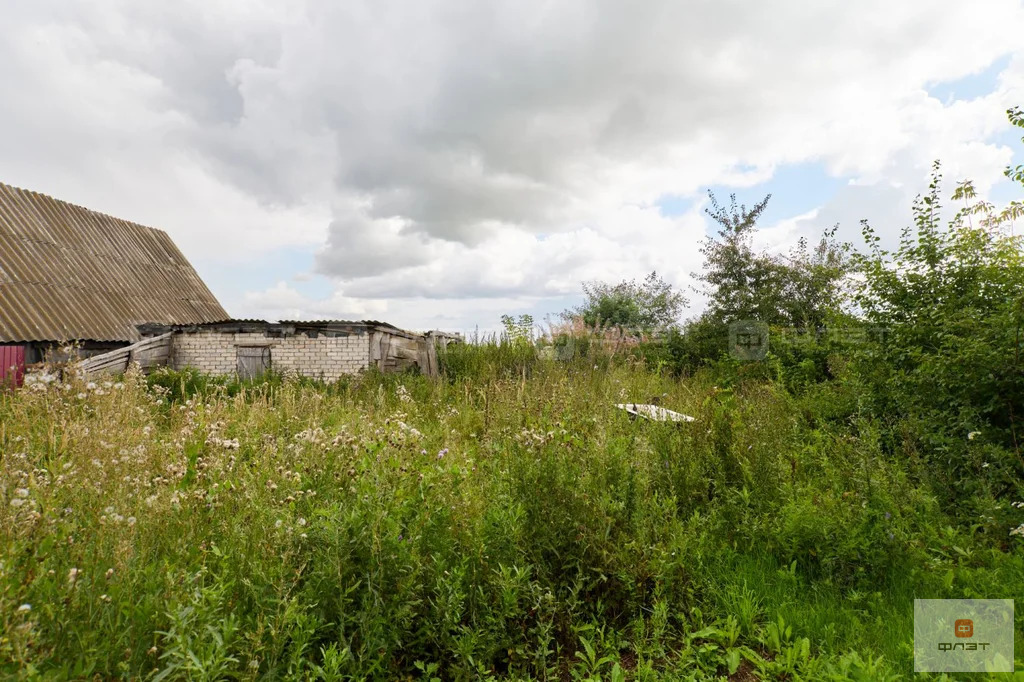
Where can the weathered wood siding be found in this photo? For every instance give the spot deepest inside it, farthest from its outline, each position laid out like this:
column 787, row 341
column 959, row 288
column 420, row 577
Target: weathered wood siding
column 148, row 353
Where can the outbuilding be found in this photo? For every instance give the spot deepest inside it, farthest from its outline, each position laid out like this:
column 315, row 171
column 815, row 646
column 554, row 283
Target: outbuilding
column 321, row 349
column 70, row 276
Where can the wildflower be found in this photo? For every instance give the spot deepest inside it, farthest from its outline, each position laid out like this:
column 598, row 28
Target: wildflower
column 1019, row 530
column 91, row 386
column 73, row 575
column 277, row 524
column 104, row 598
column 131, row 520
column 151, row 651
column 24, row 608
column 21, row 492
column 986, row 465
column 1019, row 505
column 302, row 521
column 17, row 502
column 442, row 453
column 109, row 574
column 973, row 434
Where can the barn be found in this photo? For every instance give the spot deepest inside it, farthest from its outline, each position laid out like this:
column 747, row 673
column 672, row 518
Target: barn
column 72, row 275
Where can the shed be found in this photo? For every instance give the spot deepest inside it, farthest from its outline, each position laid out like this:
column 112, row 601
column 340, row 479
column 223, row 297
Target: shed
column 320, row 349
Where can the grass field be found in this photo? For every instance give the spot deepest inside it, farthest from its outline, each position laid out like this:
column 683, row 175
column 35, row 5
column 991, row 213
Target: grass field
column 490, row 525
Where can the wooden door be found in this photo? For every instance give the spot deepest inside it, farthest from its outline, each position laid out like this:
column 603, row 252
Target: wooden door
column 253, row 361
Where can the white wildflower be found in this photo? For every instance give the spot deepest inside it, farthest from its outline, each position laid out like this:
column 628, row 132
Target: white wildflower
column 278, row 523
column 73, row 575
column 21, row 492
column 302, row 521
column 91, row 386
column 1019, row 530
column 24, row 608
column 973, row 434
column 17, row 502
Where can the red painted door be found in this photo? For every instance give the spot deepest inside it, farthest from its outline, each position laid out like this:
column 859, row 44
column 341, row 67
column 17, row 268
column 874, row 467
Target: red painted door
column 12, row 365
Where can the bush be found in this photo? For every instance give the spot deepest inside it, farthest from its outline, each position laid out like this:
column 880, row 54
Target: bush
column 951, row 302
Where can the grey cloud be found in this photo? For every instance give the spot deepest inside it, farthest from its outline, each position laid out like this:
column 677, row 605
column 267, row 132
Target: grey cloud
column 455, row 120
column 362, row 248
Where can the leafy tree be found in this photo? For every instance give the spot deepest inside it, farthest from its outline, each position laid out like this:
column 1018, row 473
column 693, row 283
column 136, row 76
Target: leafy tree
column 518, row 330
column 801, row 289
column 739, row 282
column 646, row 305
column 813, row 282
column 951, row 302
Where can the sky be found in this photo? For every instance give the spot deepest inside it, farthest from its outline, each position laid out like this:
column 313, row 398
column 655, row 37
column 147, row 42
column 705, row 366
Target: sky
column 438, row 164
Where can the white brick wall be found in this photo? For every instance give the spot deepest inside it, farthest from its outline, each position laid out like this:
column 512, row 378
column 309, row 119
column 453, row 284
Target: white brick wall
column 326, row 358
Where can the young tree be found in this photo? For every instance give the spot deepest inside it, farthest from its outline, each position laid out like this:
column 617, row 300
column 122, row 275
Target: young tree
column 801, row 289
column 739, row 283
column 646, row 305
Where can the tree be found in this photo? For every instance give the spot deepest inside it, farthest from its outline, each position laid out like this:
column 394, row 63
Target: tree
column 633, row 305
column 801, row 289
column 951, row 301
column 739, row 283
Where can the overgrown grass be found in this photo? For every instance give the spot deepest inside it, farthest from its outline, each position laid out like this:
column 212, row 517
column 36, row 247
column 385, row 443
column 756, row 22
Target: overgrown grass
column 505, row 522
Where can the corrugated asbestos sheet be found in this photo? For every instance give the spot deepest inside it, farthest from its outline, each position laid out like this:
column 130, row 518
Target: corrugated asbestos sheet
column 68, row 273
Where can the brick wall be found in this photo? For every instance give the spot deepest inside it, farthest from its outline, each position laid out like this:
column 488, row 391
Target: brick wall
column 325, row 358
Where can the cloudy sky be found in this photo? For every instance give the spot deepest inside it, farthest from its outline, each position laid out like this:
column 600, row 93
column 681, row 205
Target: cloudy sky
column 438, row 163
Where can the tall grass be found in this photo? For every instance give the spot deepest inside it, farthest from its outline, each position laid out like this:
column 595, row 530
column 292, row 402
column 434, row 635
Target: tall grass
column 504, row 522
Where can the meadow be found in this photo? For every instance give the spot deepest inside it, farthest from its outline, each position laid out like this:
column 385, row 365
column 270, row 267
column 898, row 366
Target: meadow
column 503, row 522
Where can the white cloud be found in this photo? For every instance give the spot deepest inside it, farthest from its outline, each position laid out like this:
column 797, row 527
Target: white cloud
column 443, row 154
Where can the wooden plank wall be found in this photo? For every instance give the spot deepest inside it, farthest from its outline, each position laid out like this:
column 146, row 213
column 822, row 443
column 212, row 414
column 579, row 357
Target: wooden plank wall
column 149, row 353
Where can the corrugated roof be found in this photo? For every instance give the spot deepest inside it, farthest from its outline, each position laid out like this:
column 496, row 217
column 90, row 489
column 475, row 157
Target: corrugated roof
column 324, row 323
column 68, row 273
